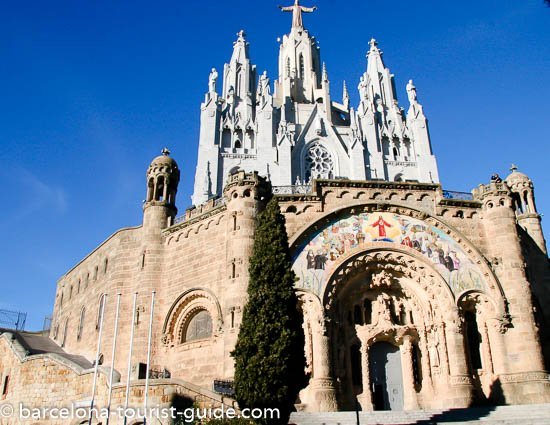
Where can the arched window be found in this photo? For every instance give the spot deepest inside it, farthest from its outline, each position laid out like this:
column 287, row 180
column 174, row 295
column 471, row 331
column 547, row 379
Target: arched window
column 198, row 327
column 302, row 66
column 81, row 324
column 526, row 203
column 159, row 191
column 100, row 311
column 65, row 330
column 318, row 163
column 357, row 315
column 367, row 305
column 150, row 190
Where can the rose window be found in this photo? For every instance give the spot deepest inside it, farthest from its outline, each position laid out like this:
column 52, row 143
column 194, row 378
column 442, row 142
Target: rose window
column 318, row 163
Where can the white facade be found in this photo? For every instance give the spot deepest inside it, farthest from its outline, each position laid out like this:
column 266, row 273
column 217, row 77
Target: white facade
column 298, row 132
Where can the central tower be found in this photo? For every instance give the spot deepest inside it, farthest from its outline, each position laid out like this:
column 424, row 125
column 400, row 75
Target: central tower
column 299, row 133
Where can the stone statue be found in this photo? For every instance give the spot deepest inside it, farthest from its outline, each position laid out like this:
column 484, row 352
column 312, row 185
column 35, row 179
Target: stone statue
column 212, row 81
column 297, row 11
column 264, row 89
column 363, row 88
column 411, row 92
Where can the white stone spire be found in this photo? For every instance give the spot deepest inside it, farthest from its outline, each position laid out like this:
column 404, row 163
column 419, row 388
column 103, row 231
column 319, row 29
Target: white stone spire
column 295, row 131
column 299, row 62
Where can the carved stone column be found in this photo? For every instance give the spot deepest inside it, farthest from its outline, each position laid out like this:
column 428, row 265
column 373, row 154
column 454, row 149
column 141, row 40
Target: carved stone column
column 322, row 384
column 410, row 400
column 460, row 379
column 365, row 398
column 427, row 382
column 495, row 339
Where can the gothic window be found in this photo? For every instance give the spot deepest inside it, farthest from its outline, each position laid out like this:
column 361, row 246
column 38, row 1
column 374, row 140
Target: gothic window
column 386, row 147
column 288, row 67
column 81, row 324
column 199, row 326
column 250, row 139
column 318, row 163
column 407, row 147
column 302, row 66
column 226, row 138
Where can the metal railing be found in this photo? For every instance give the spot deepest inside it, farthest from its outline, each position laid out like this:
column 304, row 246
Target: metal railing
column 292, row 190
column 12, row 320
column 47, row 323
column 224, row 387
column 463, row 196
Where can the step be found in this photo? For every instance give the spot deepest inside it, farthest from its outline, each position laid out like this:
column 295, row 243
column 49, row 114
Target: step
column 536, row 414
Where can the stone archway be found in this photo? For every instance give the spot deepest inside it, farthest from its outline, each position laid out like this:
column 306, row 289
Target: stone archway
column 388, row 295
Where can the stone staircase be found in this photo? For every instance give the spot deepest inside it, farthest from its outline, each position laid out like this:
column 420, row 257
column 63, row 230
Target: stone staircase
column 532, row 414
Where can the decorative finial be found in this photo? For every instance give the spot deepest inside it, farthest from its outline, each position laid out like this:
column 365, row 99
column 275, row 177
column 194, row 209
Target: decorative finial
column 373, row 43
column 345, row 93
column 241, row 34
column 514, row 168
column 165, row 152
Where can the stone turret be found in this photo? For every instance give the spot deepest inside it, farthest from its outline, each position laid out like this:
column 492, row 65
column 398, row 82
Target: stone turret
column 159, row 209
column 518, row 324
column 525, row 207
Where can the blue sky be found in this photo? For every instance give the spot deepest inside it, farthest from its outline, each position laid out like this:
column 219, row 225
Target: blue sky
column 92, row 91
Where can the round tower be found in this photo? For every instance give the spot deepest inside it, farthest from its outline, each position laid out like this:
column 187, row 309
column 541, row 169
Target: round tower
column 524, row 206
column 159, row 208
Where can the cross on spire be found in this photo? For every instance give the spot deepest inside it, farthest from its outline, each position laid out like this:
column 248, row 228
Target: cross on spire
column 297, row 11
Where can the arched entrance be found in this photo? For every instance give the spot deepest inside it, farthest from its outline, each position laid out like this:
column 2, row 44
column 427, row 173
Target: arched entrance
column 386, row 376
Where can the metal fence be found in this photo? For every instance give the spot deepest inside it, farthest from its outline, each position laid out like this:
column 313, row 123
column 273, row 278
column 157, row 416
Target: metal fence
column 47, row 323
column 12, row 320
column 224, row 387
column 464, row 196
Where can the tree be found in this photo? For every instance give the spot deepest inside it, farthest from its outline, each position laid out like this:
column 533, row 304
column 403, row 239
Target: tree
column 269, row 355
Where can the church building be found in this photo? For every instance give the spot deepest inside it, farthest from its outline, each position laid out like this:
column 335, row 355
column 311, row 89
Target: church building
column 412, row 296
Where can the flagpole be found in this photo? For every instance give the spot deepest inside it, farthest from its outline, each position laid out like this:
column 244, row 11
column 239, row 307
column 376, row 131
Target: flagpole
column 103, row 301
column 148, row 357
column 115, row 334
column 132, row 325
